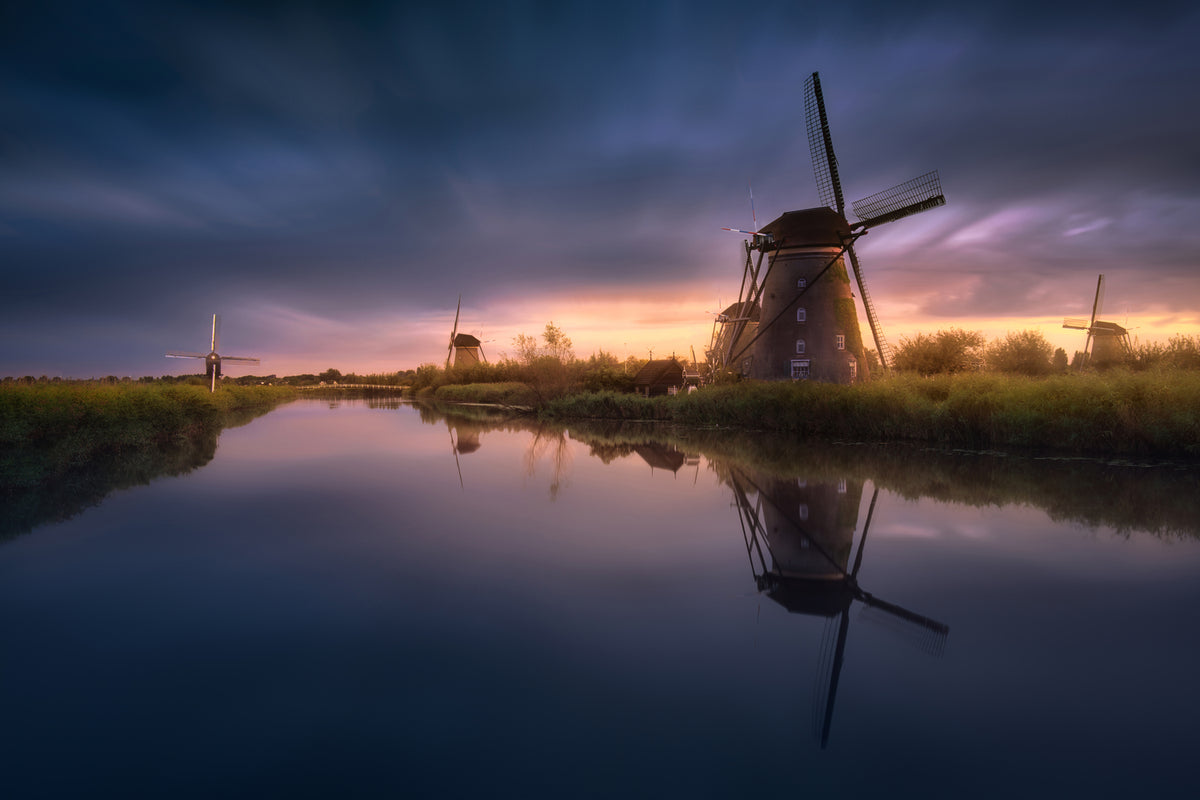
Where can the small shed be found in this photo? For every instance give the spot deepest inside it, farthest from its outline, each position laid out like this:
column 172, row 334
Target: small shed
column 660, row 376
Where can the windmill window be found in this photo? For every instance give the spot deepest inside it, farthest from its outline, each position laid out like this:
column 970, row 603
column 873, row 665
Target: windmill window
column 800, row 346
column 800, row 369
column 802, row 283
column 801, row 315
column 853, row 368
column 841, row 341
column 841, row 487
column 803, row 511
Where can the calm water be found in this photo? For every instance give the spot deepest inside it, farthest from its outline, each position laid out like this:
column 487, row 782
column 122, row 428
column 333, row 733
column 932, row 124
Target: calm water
column 358, row 601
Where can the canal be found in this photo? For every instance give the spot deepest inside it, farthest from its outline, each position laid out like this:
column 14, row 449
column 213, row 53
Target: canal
column 382, row 599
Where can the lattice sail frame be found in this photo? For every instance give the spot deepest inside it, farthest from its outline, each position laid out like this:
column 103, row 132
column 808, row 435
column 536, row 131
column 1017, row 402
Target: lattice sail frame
column 820, row 146
column 911, row 197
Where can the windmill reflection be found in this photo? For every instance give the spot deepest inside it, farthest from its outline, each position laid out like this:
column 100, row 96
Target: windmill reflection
column 799, row 537
column 464, row 439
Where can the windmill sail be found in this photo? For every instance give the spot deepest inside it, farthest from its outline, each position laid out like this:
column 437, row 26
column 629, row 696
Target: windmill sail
column 903, row 200
column 829, row 187
column 453, row 332
column 820, row 146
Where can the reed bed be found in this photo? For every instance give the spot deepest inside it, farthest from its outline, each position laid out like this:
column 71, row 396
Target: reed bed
column 1148, row 413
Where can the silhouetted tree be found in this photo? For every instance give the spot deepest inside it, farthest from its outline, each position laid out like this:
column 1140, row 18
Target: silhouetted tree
column 948, row 351
column 1022, row 352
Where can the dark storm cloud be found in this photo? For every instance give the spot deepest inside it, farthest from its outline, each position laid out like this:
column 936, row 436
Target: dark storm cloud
column 160, row 159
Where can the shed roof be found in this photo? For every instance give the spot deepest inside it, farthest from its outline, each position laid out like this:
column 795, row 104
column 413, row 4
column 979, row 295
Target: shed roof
column 660, row 372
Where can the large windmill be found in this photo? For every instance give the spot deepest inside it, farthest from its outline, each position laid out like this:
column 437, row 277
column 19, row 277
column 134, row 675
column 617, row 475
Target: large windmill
column 808, row 324
column 464, row 348
column 1107, row 342
column 799, row 536
column 212, row 360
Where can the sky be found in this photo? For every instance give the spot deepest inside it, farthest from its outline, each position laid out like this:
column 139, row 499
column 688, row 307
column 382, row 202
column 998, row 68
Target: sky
column 331, row 177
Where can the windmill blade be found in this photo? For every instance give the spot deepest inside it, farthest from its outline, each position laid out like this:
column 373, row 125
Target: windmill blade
column 903, row 200
column 928, row 634
column 748, row 233
column 187, row 355
column 245, row 359
column 216, row 332
column 454, row 450
column 1099, row 301
column 453, row 332
column 881, row 345
column 1076, row 323
column 831, row 662
column 820, row 146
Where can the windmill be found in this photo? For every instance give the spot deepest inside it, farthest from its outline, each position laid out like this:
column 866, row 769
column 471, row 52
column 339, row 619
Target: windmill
column 1107, row 342
column 821, row 339
column 799, row 536
column 735, row 326
column 465, row 348
column 212, row 360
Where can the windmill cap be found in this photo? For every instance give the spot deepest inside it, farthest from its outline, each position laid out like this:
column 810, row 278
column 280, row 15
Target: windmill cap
column 466, row 340
column 812, row 227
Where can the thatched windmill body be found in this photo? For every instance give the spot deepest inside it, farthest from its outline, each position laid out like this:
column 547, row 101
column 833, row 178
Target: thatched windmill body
column 1107, row 342
column 808, row 324
column 212, row 359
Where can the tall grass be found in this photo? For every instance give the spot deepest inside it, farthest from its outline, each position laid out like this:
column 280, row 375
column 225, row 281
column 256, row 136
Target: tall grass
column 48, row 428
column 1146, row 413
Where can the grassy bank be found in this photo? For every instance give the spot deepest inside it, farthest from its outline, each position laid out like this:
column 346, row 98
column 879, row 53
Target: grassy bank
column 1150, row 413
column 48, row 428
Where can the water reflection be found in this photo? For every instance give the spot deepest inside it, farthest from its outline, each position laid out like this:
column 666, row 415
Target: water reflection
column 323, row 584
column 798, row 505
column 799, row 537
column 1153, row 497
column 76, row 486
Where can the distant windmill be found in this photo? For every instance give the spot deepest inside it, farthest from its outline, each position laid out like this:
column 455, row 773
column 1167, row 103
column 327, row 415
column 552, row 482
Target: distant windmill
column 1107, row 342
column 808, row 327
column 465, row 348
column 212, row 360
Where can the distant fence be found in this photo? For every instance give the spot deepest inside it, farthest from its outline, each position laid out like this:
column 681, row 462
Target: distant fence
column 354, row 387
